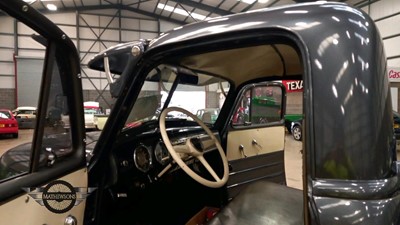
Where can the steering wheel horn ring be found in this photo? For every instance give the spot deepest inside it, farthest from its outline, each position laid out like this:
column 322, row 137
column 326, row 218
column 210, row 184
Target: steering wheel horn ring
column 195, row 150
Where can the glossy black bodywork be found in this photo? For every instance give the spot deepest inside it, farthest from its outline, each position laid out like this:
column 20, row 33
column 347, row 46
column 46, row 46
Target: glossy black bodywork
column 345, row 89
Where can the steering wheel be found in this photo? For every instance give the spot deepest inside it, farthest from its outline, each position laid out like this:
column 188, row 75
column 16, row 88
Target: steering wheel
column 189, row 149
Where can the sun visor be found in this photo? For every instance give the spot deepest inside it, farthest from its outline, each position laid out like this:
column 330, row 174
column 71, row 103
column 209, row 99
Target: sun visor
column 117, row 56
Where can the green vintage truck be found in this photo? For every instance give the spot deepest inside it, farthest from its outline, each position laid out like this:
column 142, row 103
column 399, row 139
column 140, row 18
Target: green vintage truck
column 289, row 118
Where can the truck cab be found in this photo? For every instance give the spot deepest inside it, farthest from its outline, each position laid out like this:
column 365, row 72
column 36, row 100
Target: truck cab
column 151, row 165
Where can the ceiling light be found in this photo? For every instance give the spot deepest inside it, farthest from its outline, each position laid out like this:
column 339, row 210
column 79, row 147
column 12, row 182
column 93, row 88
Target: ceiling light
column 29, row 1
column 253, row 1
column 248, row 1
column 180, row 11
column 51, row 7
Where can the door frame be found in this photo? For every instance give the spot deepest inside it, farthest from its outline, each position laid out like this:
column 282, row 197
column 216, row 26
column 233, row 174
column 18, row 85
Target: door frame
column 60, row 48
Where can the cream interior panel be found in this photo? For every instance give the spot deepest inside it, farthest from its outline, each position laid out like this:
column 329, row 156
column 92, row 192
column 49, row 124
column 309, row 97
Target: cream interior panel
column 268, row 139
column 25, row 210
column 266, row 60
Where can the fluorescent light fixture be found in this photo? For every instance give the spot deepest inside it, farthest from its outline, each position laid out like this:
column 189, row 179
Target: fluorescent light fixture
column 29, row 1
column 247, row 1
column 180, row 11
column 51, row 7
column 253, row 1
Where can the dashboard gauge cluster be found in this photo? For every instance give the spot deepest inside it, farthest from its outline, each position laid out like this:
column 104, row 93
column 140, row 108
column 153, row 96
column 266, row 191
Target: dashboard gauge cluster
column 142, row 158
column 152, row 156
column 161, row 154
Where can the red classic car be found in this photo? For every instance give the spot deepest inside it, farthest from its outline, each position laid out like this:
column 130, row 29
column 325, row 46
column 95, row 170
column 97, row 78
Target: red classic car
column 8, row 124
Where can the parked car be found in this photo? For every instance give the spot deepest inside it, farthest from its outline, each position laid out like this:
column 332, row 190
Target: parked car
column 99, row 121
column 208, row 115
column 151, row 169
column 26, row 116
column 296, row 130
column 91, row 109
column 296, row 127
column 8, row 124
column 289, row 118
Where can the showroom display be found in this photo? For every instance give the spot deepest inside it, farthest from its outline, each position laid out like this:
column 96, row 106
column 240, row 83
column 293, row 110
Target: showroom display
column 156, row 162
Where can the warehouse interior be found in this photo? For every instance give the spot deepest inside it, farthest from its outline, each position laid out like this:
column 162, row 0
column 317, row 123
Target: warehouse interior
column 95, row 25
column 173, row 103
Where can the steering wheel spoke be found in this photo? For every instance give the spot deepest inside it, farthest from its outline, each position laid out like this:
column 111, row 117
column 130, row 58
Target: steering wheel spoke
column 208, row 167
column 189, row 149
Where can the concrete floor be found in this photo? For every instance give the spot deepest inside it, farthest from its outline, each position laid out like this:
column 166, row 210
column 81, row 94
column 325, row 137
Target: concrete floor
column 293, row 162
column 293, row 157
column 7, row 142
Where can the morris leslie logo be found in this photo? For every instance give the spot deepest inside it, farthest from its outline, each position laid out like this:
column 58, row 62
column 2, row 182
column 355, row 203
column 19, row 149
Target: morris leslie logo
column 59, row 196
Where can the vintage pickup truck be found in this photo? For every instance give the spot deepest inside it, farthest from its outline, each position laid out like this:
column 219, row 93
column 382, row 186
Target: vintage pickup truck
column 150, row 167
column 290, row 118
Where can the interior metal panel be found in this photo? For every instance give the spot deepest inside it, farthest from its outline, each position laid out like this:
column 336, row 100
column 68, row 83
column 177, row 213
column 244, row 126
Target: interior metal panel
column 269, row 167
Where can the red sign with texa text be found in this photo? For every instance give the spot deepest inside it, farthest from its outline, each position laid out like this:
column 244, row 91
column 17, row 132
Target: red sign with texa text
column 293, row 85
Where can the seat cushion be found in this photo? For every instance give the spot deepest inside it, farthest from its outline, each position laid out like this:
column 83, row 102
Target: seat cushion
column 263, row 203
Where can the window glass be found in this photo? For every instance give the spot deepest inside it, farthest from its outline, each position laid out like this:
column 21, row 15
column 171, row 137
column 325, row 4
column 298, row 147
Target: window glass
column 5, row 115
column 20, row 79
column 167, row 86
column 56, row 139
column 259, row 105
column 19, row 111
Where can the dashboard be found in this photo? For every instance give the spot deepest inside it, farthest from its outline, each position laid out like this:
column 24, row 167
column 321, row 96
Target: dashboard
column 142, row 158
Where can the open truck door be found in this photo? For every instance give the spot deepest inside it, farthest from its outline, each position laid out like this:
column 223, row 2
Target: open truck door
column 46, row 179
column 256, row 137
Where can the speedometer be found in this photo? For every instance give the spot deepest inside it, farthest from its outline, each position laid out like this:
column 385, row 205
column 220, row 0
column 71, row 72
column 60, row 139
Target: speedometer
column 142, row 158
column 161, row 153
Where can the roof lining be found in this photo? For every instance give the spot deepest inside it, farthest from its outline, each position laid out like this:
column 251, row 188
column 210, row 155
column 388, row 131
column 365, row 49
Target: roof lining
column 234, row 64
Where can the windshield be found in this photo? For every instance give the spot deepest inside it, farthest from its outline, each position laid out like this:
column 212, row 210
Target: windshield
column 5, row 115
column 92, row 111
column 167, row 86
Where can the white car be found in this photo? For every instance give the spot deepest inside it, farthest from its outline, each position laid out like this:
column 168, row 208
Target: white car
column 26, row 116
column 91, row 110
column 89, row 118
